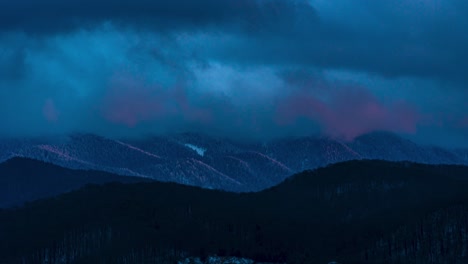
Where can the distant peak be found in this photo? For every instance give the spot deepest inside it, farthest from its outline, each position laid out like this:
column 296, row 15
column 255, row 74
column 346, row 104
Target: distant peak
column 379, row 134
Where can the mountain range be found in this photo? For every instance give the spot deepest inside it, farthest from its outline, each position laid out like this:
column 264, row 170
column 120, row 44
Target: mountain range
column 217, row 163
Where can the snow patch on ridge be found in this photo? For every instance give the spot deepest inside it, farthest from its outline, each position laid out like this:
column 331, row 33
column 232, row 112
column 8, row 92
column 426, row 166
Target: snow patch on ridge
column 137, row 149
column 200, row 151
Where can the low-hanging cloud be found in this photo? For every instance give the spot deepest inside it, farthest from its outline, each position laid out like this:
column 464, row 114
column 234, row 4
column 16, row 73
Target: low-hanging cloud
column 348, row 112
column 126, row 89
column 246, row 69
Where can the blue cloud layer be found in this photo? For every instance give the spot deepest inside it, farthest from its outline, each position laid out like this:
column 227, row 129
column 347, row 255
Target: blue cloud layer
column 132, row 68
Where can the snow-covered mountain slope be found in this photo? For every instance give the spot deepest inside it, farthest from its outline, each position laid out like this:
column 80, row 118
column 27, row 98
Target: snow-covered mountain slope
column 217, row 163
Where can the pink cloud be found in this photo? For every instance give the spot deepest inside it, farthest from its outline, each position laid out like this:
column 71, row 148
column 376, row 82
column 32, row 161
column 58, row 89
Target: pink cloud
column 49, row 111
column 348, row 112
column 189, row 111
column 130, row 101
column 344, row 112
column 464, row 122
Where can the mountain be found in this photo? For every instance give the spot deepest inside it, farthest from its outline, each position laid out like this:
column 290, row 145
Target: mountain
column 24, row 180
column 216, row 163
column 388, row 146
column 351, row 212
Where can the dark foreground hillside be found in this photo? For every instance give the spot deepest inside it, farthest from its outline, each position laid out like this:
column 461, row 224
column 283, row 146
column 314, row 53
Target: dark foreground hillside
column 353, row 212
column 24, row 180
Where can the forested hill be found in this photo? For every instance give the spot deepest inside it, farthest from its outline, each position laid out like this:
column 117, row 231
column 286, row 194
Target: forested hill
column 352, row 212
column 24, row 180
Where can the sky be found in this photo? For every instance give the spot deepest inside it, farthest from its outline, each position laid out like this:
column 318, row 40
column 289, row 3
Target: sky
column 247, row 69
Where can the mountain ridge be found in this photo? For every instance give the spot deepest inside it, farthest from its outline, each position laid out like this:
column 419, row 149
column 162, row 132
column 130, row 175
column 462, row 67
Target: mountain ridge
column 236, row 166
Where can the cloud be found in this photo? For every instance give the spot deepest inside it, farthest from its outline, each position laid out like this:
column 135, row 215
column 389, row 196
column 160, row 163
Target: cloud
column 238, row 68
column 464, row 122
column 392, row 39
column 52, row 16
column 50, row 112
column 11, row 66
column 129, row 101
column 348, row 112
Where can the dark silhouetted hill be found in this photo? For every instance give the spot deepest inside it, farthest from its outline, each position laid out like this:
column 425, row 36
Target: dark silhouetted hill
column 351, row 212
column 23, row 180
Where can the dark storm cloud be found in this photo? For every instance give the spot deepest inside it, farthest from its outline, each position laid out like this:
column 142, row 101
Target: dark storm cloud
column 11, row 64
column 243, row 68
column 425, row 39
column 51, row 16
column 392, row 40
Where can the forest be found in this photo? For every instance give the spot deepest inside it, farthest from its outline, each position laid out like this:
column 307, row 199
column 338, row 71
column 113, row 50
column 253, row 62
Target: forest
column 366, row 211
